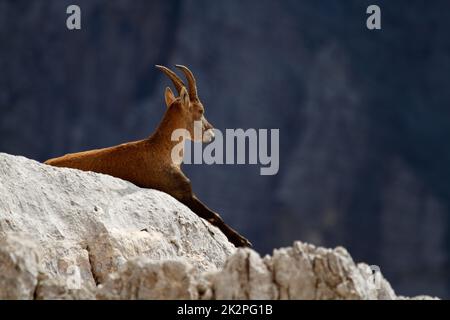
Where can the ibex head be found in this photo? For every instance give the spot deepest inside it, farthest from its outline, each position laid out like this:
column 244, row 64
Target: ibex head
column 188, row 105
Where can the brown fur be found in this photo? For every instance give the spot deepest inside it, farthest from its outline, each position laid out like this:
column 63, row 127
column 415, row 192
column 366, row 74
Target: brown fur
column 148, row 163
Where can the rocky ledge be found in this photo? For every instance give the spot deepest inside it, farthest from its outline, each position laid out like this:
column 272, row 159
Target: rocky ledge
column 67, row 234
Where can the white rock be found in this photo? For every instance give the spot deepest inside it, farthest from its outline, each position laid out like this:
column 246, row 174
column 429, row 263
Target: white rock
column 19, row 267
column 58, row 288
column 67, row 234
column 302, row 271
column 245, row 276
column 143, row 278
column 87, row 225
column 299, row 272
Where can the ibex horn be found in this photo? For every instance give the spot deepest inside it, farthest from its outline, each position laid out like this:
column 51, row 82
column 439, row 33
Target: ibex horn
column 178, row 83
column 191, row 80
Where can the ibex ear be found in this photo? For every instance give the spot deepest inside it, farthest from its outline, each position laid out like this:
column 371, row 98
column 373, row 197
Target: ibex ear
column 185, row 97
column 169, row 96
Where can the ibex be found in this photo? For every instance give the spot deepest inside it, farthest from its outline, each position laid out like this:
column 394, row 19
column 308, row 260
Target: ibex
column 149, row 163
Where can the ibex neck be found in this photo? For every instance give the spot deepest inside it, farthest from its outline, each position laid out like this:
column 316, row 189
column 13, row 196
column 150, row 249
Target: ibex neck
column 163, row 134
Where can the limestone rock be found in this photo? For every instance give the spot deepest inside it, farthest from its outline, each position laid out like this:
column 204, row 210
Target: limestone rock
column 19, row 267
column 87, row 225
column 302, row 271
column 60, row 288
column 67, row 234
column 143, row 278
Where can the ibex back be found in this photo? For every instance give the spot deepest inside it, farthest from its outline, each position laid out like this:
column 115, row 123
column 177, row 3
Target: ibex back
column 149, row 163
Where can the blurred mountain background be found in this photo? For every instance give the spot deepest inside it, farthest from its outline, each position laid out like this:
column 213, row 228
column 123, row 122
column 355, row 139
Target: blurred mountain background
column 364, row 116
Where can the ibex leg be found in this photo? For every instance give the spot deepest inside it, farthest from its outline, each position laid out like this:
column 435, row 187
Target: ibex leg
column 204, row 212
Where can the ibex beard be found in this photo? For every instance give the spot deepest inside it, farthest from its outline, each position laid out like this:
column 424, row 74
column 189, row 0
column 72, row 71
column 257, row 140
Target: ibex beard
column 148, row 163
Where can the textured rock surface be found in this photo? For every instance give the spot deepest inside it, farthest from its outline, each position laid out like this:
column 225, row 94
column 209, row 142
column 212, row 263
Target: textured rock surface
column 19, row 268
column 142, row 278
column 66, row 234
column 86, row 225
column 302, row 271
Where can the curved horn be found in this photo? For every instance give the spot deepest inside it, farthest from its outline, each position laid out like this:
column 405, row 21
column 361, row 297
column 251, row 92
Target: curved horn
column 191, row 80
column 178, row 83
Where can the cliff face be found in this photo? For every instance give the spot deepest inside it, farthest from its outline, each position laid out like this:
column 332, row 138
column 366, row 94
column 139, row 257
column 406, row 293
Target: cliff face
column 67, row 234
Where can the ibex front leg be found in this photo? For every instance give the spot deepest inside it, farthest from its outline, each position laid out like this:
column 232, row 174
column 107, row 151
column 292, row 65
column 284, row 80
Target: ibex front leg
column 204, row 212
column 182, row 191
